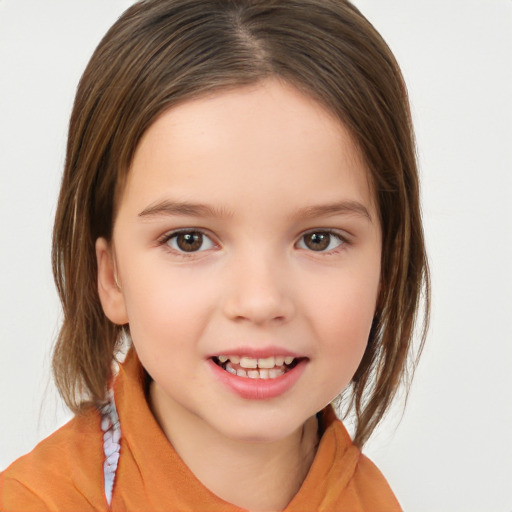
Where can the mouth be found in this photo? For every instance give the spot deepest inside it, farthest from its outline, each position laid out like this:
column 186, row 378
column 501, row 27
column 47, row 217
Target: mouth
column 266, row 368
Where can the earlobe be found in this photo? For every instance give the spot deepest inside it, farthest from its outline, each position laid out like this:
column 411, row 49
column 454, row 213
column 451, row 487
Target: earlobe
column 109, row 289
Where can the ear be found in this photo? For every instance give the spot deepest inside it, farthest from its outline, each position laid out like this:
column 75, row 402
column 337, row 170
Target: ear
column 111, row 295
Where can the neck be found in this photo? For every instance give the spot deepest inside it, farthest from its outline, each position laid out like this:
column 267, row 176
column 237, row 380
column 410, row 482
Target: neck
column 260, row 477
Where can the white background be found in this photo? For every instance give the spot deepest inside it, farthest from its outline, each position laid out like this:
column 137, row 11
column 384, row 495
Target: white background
column 452, row 451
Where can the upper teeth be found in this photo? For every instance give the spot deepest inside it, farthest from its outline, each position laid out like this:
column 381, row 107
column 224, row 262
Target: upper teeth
column 249, row 362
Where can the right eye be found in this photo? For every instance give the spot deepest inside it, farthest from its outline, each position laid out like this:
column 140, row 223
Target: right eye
column 189, row 241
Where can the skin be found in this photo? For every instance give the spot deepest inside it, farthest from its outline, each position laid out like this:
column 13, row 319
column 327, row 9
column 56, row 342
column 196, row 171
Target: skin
column 259, row 156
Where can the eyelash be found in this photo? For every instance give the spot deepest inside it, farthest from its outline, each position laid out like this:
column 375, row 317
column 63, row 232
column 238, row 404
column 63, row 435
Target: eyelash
column 343, row 241
column 164, row 241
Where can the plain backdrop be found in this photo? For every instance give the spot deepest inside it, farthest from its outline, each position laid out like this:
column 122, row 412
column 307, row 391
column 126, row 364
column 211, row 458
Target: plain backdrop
column 452, row 450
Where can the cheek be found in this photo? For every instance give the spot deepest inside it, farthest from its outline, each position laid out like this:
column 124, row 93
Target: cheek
column 344, row 327
column 342, row 315
column 165, row 305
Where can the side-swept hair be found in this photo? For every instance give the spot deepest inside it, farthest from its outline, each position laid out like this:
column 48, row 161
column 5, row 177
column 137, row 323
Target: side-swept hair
column 163, row 52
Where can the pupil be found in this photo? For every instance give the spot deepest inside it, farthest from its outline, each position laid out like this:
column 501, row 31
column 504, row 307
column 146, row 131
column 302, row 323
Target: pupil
column 317, row 241
column 190, row 242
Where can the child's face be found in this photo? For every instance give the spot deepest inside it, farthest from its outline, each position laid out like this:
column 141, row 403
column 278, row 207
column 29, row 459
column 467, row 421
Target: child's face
column 277, row 254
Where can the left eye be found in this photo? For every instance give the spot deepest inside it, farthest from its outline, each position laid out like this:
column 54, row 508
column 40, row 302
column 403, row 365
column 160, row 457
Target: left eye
column 189, row 241
column 320, row 241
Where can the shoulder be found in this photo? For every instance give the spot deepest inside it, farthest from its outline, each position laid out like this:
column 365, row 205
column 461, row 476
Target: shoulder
column 62, row 472
column 361, row 485
column 371, row 487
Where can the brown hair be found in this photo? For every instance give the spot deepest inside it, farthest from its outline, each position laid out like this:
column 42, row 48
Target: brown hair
column 163, row 52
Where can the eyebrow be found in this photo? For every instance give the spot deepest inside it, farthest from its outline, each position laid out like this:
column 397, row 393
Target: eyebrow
column 184, row 208
column 337, row 208
column 166, row 207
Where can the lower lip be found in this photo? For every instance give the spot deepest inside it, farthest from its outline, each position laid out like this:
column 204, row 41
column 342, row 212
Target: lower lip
column 259, row 389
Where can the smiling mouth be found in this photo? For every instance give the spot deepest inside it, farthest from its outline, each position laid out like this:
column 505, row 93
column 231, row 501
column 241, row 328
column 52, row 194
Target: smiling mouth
column 263, row 368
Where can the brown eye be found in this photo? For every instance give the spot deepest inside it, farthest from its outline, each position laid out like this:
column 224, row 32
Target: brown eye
column 189, row 241
column 320, row 241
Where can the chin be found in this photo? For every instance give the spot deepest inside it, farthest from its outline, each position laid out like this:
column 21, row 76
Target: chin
column 260, row 428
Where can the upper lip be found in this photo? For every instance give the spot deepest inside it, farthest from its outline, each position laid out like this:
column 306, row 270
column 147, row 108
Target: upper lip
column 257, row 353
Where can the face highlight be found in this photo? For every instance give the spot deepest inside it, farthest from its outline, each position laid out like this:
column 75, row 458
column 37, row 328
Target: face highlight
column 247, row 248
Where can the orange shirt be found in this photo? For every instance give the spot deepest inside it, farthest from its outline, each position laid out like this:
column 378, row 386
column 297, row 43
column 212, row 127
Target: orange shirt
column 64, row 473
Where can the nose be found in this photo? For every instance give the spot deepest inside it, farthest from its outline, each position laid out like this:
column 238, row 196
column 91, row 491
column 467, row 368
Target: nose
column 259, row 291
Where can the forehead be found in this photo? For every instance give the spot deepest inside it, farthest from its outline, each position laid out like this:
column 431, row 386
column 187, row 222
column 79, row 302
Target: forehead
column 247, row 146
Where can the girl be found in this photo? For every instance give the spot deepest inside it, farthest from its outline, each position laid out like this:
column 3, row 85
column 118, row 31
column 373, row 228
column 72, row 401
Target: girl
column 240, row 208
